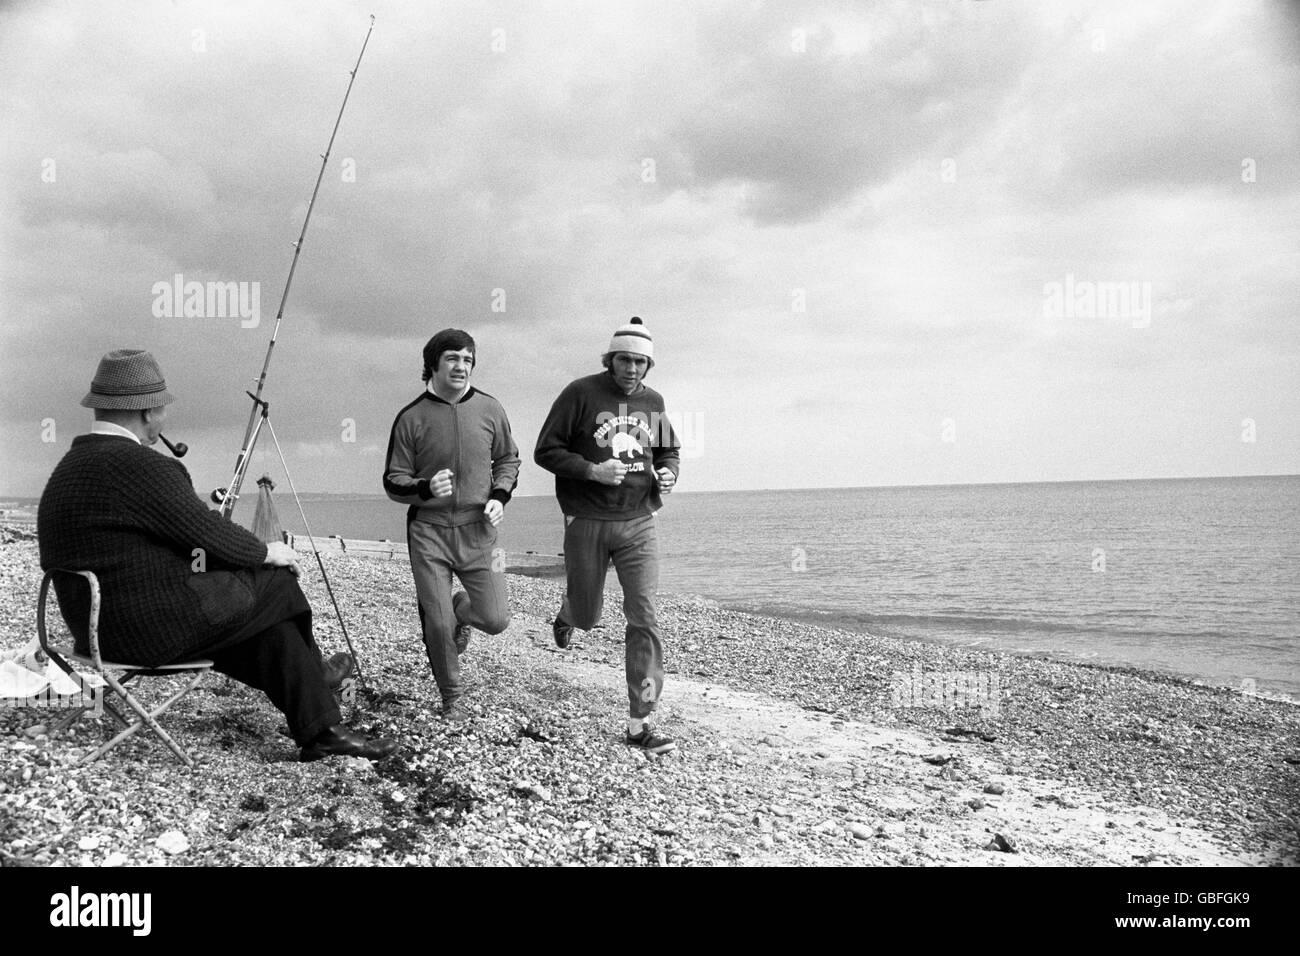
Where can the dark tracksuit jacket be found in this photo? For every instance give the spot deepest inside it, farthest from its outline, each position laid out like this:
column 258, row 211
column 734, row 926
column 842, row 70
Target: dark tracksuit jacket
column 471, row 437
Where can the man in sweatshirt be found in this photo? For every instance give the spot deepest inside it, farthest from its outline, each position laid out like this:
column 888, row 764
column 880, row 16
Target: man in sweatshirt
column 613, row 453
column 452, row 459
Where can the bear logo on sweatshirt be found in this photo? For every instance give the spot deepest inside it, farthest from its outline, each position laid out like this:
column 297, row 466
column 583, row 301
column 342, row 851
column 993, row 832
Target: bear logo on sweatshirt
column 625, row 444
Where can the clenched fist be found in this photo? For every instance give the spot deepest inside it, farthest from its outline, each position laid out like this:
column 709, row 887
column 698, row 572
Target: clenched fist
column 609, row 472
column 440, row 484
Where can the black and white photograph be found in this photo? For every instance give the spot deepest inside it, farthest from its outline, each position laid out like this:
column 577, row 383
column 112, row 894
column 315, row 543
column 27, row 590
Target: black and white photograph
column 729, row 434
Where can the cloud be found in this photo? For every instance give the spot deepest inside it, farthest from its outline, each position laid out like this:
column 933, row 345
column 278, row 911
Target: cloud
column 805, row 108
column 855, row 233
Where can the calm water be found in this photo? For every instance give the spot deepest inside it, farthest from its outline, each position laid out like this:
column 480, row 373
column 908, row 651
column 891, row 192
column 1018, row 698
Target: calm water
column 1196, row 577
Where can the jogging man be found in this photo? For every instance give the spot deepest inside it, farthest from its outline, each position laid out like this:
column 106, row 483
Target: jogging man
column 613, row 453
column 452, row 459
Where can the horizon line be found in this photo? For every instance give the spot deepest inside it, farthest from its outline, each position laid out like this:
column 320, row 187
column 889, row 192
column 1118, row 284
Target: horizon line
column 946, row 484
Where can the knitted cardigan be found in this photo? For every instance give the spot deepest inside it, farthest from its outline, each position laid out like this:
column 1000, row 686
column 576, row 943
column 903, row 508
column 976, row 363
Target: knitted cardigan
column 167, row 564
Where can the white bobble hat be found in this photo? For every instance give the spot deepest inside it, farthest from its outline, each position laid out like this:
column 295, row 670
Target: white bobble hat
column 634, row 338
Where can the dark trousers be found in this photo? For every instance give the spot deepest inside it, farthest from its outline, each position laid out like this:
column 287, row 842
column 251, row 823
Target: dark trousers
column 273, row 650
column 469, row 551
column 633, row 546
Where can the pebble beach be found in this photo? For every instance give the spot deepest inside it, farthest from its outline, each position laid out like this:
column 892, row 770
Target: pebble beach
column 798, row 745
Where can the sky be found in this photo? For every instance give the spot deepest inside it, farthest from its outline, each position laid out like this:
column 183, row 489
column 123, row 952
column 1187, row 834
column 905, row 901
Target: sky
column 897, row 243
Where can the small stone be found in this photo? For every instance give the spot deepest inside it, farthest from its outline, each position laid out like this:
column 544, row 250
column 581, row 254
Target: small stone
column 35, row 730
column 995, row 788
column 172, row 842
column 861, row 831
column 976, row 803
column 534, row 790
column 114, row 859
column 780, row 811
column 88, row 843
column 1003, row 844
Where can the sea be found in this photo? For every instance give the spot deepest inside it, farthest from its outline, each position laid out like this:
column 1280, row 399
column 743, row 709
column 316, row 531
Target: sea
column 1197, row 578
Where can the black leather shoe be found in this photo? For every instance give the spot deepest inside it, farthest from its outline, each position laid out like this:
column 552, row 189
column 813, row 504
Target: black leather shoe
column 338, row 668
column 338, row 741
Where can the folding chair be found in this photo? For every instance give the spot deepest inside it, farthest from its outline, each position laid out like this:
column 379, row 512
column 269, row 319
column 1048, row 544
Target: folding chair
column 106, row 670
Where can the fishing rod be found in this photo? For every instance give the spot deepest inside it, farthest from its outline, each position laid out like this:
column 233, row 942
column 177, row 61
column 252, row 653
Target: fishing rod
column 260, row 414
column 226, row 497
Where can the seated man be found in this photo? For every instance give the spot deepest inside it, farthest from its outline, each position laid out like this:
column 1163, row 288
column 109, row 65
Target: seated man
column 179, row 581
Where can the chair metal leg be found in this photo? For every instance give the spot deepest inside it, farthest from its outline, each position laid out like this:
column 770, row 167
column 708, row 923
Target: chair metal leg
column 67, row 720
column 147, row 719
column 100, row 694
column 116, row 714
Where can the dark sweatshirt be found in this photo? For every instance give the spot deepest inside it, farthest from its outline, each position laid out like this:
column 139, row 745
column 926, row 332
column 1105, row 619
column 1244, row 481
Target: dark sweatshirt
column 594, row 420
column 471, row 437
